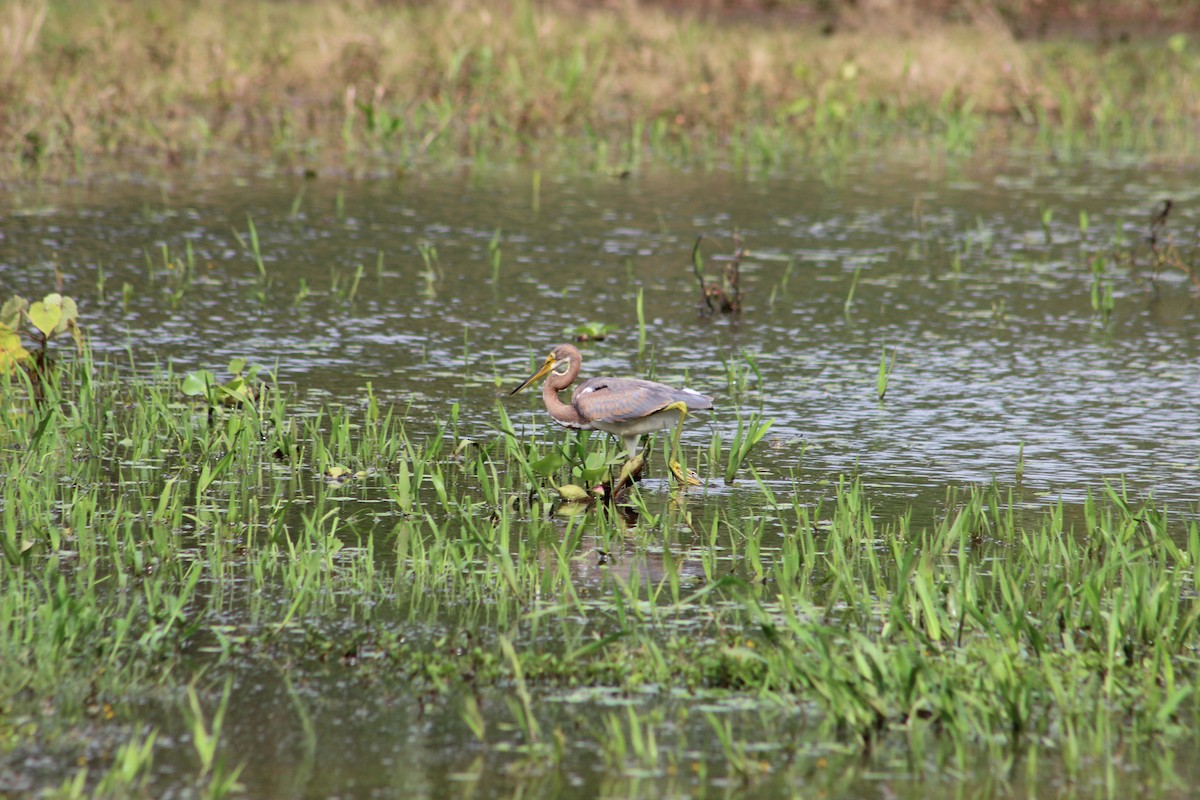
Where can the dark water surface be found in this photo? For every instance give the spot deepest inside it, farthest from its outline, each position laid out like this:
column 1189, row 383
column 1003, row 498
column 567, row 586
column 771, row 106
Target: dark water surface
column 988, row 312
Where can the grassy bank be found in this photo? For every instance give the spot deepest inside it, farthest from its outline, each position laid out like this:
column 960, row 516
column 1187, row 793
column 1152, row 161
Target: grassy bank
column 358, row 85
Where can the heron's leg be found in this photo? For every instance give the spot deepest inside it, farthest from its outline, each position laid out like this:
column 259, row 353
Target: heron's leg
column 631, row 470
column 676, row 469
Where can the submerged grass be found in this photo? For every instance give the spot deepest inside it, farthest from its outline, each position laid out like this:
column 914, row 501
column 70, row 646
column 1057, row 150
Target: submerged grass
column 353, row 84
column 153, row 550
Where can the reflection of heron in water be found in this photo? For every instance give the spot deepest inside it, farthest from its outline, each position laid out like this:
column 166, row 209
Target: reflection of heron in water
column 598, row 565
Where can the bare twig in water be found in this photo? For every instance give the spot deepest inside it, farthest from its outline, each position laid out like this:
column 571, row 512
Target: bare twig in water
column 1162, row 245
column 727, row 295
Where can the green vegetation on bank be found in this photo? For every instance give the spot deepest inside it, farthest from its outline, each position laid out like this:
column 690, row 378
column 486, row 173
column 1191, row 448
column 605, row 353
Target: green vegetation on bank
column 153, row 545
column 357, row 85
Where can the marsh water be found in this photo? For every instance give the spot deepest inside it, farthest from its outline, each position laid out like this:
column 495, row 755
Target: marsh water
column 989, row 320
column 974, row 279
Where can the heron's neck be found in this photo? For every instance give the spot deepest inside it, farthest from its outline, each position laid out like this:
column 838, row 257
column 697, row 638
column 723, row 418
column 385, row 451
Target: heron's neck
column 563, row 413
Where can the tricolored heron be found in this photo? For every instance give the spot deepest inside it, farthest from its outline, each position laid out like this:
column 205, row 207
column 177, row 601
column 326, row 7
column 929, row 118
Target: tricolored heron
column 624, row 407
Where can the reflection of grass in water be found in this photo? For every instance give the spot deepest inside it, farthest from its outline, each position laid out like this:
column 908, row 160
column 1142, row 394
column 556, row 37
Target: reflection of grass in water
column 149, row 541
column 357, row 82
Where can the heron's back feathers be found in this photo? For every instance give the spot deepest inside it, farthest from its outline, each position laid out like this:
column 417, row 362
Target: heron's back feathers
column 614, row 400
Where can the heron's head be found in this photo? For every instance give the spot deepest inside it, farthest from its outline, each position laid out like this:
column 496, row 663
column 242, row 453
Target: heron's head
column 559, row 362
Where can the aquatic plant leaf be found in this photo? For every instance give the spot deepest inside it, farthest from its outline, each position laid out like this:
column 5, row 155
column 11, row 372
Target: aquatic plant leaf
column 196, row 384
column 70, row 312
column 45, row 316
column 14, row 548
column 573, row 493
column 756, row 434
column 548, row 463
column 236, row 391
column 77, row 335
column 10, row 312
column 630, row 469
column 236, row 366
column 11, row 350
column 9, row 339
column 594, row 466
column 571, row 508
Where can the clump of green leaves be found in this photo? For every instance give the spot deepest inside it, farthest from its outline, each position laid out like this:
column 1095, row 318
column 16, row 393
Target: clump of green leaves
column 749, row 433
column 37, row 323
column 588, row 464
column 592, row 331
column 242, row 388
column 26, row 330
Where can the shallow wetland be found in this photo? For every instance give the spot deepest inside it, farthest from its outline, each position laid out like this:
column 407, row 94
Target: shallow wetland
column 359, row 579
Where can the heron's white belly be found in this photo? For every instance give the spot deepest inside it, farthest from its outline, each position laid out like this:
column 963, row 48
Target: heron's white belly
column 659, row 420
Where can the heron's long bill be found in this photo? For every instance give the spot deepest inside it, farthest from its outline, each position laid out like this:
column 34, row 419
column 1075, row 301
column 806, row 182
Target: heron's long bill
column 547, row 365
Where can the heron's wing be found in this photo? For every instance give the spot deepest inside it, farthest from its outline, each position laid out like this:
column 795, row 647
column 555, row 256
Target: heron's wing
column 623, row 399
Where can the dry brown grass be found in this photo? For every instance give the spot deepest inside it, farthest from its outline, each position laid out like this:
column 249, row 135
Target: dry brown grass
column 179, row 79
